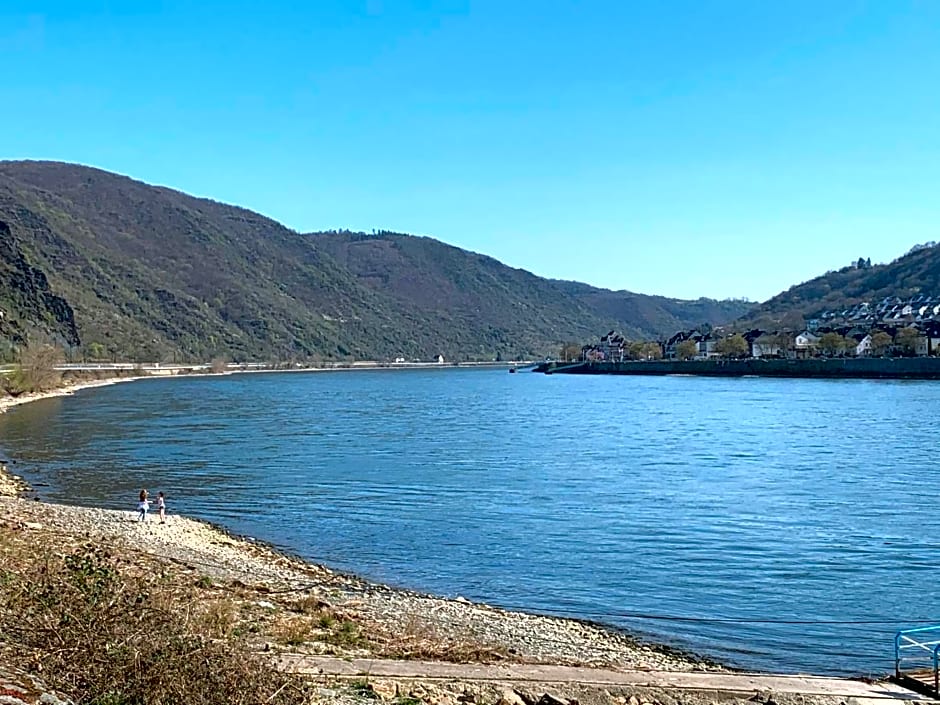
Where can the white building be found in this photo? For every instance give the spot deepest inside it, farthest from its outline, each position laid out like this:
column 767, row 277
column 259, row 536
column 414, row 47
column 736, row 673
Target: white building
column 863, row 346
column 806, row 341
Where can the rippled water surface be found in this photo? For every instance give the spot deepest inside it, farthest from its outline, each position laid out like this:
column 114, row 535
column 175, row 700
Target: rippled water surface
column 739, row 505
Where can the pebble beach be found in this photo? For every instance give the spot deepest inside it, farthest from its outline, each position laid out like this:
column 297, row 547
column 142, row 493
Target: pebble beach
column 210, row 551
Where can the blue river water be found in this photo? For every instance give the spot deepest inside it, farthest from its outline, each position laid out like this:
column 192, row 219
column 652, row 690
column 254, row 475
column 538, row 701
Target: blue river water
column 770, row 524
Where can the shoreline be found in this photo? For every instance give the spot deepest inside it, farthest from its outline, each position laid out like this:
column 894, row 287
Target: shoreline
column 517, row 636
column 9, row 402
column 445, row 624
column 353, row 642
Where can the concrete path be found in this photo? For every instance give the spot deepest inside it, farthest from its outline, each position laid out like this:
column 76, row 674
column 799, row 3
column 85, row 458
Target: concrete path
column 698, row 681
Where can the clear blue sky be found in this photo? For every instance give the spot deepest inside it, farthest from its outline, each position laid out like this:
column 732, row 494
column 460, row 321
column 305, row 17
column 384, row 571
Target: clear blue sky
column 678, row 148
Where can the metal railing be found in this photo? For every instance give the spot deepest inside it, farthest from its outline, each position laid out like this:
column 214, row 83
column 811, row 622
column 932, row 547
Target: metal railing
column 936, row 670
column 916, row 650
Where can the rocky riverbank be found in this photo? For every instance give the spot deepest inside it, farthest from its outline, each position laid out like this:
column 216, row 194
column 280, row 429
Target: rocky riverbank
column 393, row 622
column 292, row 612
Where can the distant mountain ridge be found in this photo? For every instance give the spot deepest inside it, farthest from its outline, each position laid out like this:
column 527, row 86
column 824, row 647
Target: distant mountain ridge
column 480, row 291
column 124, row 269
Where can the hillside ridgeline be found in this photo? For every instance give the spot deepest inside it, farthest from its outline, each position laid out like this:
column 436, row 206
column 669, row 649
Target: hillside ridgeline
column 916, row 273
column 121, row 269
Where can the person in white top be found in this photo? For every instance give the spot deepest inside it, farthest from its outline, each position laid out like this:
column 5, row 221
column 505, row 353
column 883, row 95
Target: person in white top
column 143, row 506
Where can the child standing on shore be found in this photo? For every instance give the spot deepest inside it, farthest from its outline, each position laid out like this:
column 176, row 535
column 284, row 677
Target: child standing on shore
column 161, row 506
column 143, row 506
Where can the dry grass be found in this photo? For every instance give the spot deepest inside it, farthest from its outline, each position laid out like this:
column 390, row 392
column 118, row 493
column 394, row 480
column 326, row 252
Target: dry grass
column 113, row 632
column 313, row 620
column 420, row 640
column 311, row 604
column 126, row 628
column 292, row 630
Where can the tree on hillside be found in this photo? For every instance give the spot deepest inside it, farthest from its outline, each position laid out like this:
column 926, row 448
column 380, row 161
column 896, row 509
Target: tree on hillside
column 94, row 351
column 734, row 346
column 880, row 343
column 906, row 340
column 832, row 344
column 686, row 350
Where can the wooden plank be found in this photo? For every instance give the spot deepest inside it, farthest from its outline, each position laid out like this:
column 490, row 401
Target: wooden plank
column 918, row 681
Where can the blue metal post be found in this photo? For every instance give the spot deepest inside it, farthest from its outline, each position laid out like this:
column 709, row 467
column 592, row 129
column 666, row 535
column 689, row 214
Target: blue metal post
column 897, row 655
column 936, row 670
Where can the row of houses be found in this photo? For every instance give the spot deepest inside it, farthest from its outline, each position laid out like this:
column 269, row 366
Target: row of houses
column 921, row 338
column 891, row 309
column 856, row 341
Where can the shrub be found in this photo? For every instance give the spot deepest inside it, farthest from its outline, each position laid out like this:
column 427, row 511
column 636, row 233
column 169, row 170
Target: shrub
column 35, row 371
column 105, row 637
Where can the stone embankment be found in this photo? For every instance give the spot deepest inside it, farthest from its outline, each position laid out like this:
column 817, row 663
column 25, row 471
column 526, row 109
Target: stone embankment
column 815, row 368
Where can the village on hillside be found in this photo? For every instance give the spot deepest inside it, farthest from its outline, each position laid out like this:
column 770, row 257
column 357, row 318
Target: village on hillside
column 890, row 328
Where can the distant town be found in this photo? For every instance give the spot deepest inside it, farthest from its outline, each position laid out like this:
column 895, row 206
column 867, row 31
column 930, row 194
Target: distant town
column 892, row 327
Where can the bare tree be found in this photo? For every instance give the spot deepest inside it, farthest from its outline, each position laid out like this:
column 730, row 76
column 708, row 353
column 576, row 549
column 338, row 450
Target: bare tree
column 36, row 370
column 570, row 351
column 906, row 340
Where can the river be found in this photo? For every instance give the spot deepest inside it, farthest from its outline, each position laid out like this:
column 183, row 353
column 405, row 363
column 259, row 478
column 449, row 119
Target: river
column 771, row 524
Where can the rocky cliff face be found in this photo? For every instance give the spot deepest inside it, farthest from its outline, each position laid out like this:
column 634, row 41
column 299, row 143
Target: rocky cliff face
column 27, row 302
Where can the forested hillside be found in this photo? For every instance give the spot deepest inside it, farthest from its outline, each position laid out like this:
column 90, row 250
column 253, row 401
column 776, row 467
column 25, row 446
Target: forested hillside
column 917, row 272
column 120, row 269
column 477, row 293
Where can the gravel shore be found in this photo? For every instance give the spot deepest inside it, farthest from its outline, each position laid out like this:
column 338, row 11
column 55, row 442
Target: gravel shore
column 202, row 548
column 270, row 586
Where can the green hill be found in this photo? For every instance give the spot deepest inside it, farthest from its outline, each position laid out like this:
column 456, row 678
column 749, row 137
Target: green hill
column 917, row 272
column 477, row 293
column 128, row 270
column 655, row 313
